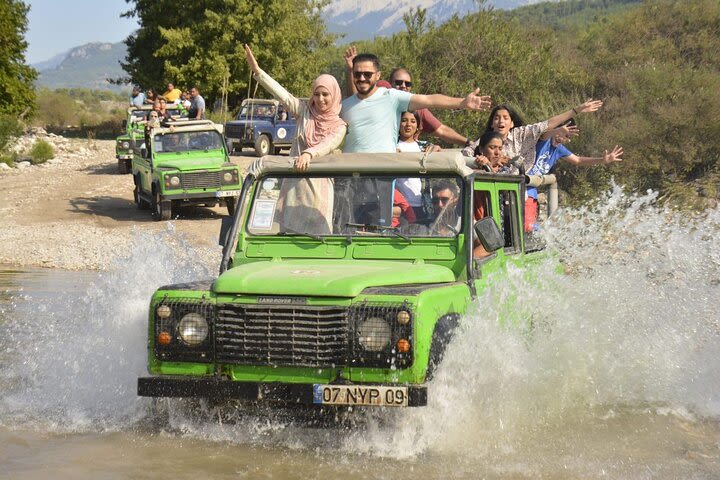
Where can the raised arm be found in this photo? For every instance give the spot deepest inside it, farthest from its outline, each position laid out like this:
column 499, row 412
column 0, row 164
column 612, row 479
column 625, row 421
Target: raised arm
column 566, row 131
column 349, row 55
column 472, row 102
column 449, row 135
column 292, row 103
column 608, row 158
column 587, row 107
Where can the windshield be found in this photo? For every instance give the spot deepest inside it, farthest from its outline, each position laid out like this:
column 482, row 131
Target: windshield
column 357, row 206
column 187, row 141
column 257, row 110
column 138, row 115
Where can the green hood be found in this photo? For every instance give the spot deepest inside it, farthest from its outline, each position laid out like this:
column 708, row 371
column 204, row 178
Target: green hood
column 183, row 162
column 334, row 278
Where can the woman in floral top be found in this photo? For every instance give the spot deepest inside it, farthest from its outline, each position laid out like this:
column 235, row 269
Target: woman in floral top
column 520, row 139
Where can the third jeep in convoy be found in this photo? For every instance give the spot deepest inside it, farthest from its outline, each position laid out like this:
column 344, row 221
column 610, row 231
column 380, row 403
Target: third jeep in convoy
column 183, row 163
column 262, row 124
column 331, row 292
column 123, row 143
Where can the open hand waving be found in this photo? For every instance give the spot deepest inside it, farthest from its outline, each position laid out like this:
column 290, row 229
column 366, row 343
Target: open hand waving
column 477, row 102
column 251, row 60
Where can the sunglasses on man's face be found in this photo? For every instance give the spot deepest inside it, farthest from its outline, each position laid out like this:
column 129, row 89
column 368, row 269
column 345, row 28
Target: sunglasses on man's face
column 402, row 83
column 441, row 199
column 359, row 75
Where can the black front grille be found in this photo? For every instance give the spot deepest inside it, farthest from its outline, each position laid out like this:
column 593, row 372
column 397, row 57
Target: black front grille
column 200, row 180
column 281, row 335
column 234, row 131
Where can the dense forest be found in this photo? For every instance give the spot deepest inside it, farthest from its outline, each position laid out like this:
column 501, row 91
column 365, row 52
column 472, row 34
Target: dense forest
column 654, row 63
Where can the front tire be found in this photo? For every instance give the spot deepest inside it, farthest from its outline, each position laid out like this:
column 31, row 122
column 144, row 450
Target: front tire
column 263, row 145
column 141, row 203
column 123, row 167
column 162, row 209
column 231, row 203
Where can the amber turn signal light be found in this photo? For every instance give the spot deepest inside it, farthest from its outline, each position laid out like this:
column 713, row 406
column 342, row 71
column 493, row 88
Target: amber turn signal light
column 164, row 338
column 403, row 346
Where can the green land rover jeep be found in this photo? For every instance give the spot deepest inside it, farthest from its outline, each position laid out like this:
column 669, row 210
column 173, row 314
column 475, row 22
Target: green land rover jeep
column 331, row 292
column 123, row 143
column 183, row 163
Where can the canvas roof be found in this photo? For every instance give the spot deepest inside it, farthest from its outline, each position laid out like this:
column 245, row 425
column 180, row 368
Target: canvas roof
column 446, row 161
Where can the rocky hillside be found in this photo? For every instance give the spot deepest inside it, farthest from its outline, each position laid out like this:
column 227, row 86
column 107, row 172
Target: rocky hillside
column 87, row 66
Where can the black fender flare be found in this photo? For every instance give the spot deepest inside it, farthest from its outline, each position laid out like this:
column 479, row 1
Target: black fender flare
column 443, row 334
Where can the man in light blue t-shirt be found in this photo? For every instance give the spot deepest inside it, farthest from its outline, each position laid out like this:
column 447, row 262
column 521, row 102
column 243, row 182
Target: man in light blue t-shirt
column 137, row 97
column 373, row 113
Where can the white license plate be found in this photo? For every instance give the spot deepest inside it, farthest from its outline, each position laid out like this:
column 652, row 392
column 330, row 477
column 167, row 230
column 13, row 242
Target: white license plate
column 369, row 395
column 227, row 193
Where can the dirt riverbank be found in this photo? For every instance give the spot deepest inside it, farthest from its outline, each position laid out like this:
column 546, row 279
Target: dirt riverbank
column 76, row 212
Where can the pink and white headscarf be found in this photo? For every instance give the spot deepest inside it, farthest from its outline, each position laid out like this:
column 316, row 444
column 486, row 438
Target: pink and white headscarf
column 322, row 125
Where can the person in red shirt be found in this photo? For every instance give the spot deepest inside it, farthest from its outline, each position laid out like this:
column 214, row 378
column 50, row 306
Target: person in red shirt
column 400, row 79
column 401, row 210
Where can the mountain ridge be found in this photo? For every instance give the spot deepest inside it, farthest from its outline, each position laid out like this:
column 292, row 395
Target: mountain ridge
column 91, row 64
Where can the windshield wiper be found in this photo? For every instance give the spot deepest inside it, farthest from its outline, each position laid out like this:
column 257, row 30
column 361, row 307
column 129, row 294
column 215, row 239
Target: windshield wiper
column 290, row 231
column 383, row 228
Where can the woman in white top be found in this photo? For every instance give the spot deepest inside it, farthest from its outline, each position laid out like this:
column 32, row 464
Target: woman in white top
column 411, row 188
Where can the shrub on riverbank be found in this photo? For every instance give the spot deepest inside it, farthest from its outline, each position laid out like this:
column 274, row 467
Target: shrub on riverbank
column 41, row 152
column 9, row 128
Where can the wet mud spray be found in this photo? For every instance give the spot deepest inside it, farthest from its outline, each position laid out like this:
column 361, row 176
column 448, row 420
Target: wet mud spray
column 618, row 377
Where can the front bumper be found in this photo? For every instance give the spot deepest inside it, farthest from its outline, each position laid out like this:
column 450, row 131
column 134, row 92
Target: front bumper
column 209, row 196
column 121, row 156
column 253, row 391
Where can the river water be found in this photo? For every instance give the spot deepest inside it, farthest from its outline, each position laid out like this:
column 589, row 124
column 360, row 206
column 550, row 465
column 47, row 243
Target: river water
column 620, row 377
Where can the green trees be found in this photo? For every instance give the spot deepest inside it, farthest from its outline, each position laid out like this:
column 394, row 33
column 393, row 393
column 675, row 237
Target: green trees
column 201, row 43
column 658, row 67
column 655, row 64
column 16, row 90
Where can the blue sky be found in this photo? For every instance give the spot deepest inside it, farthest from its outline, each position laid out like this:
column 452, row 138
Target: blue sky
column 55, row 26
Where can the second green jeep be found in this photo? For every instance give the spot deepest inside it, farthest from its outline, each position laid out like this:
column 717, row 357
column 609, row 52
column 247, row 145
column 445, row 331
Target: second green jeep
column 183, row 163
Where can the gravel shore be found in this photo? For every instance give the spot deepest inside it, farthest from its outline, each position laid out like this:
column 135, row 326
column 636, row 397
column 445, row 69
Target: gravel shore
column 76, row 212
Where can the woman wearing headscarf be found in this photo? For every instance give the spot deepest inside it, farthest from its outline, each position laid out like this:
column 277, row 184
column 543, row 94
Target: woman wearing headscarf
column 320, row 130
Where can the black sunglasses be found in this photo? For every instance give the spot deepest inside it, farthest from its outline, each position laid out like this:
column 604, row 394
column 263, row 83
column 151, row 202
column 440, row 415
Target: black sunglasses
column 359, row 75
column 401, row 83
column 441, row 199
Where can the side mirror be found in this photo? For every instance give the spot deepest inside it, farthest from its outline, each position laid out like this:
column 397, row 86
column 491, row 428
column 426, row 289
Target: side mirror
column 143, row 152
column 228, row 145
column 489, row 234
column 124, row 124
column 225, row 227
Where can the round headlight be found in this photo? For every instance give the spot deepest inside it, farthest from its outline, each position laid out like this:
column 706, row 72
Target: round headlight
column 193, row 329
column 228, row 177
column 403, row 317
column 163, row 311
column 125, row 144
column 374, row 334
column 175, row 181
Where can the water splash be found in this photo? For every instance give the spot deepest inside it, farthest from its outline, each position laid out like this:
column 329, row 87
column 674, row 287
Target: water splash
column 631, row 325
column 629, row 328
column 77, row 354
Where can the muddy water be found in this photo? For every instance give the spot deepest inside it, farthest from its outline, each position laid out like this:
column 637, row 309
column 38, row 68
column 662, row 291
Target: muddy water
column 619, row 378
